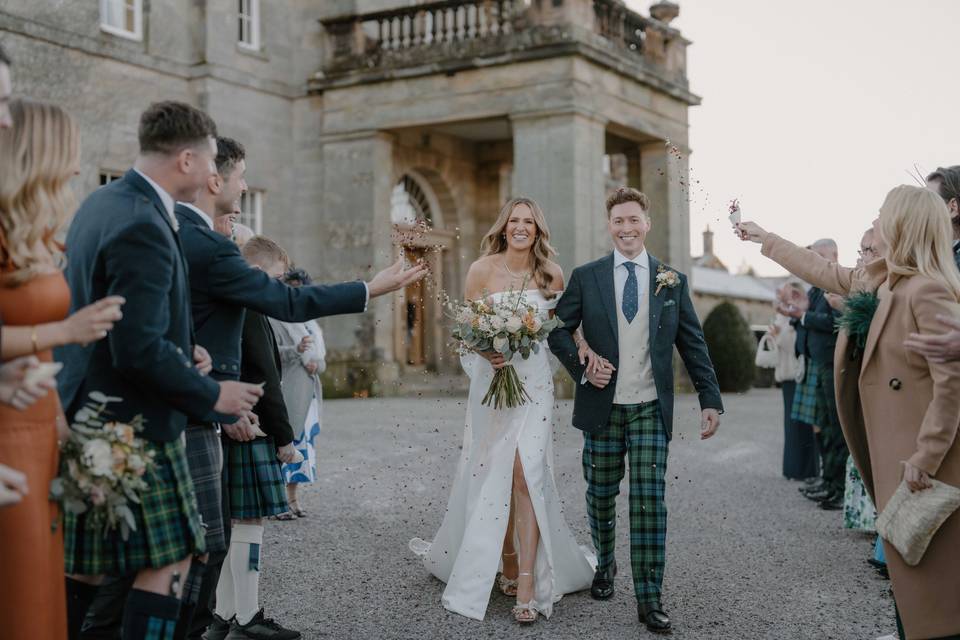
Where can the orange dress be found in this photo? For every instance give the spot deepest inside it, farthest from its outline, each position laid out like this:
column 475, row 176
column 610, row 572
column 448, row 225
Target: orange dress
column 32, row 593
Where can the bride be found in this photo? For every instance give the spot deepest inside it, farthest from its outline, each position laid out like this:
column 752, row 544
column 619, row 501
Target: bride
column 504, row 509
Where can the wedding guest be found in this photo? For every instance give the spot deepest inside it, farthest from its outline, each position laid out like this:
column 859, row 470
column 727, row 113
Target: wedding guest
column 255, row 482
column 39, row 155
column 900, row 413
column 858, row 510
column 819, row 321
column 222, row 286
column 799, row 452
column 945, row 181
column 124, row 240
column 302, row 356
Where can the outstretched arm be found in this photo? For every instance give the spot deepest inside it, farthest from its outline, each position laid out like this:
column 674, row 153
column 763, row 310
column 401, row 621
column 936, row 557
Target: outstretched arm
column 805, row 264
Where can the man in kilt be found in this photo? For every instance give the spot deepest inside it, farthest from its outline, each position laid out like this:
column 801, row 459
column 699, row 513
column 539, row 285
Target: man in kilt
column 815, row 401
column 254, row 481
column 633, row 311
column 223, row 285
column 123, row 241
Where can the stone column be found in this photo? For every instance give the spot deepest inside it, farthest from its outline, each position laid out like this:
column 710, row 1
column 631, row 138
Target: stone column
column 355, row 241
column 558, row 161
column 664, row 176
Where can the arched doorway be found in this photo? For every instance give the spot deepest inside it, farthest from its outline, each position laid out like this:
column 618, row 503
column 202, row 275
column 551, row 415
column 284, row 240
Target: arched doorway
column 417, row 217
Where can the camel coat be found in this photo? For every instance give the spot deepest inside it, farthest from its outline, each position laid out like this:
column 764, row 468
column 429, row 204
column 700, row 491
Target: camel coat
column 894, row 405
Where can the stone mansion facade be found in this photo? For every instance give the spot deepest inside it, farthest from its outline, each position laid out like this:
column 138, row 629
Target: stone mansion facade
column 381, row 125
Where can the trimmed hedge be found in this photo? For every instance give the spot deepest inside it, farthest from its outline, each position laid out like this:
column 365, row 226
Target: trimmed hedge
column 732, row 347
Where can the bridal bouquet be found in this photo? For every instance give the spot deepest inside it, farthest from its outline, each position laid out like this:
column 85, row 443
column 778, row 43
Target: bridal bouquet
column 509, row 327
column 103, row 468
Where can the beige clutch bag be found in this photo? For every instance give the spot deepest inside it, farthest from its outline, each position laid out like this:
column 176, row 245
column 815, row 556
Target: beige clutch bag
column 910, row 520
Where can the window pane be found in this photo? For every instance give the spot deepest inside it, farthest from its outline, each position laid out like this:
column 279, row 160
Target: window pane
column 131, row 22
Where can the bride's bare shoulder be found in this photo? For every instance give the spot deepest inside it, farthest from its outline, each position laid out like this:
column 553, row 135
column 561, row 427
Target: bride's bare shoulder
column 556, row 271
column 482, row 266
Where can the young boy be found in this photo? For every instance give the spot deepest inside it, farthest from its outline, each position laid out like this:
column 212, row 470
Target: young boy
column 255, row 483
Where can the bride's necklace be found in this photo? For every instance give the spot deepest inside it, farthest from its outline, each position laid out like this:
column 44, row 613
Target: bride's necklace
column 510, row 271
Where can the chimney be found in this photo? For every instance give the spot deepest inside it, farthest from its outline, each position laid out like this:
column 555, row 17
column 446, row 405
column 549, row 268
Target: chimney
column 708, row 242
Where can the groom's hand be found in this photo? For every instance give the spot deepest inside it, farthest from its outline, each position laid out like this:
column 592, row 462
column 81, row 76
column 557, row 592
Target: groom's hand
column 709, row 423
column 601, row 377
column 395, row 277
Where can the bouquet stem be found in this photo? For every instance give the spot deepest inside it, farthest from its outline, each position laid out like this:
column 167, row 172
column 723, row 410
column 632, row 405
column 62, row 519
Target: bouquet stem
column 506, row 390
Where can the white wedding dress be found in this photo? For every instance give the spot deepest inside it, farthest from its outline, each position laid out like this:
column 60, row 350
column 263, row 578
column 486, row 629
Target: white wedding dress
column 465, row 553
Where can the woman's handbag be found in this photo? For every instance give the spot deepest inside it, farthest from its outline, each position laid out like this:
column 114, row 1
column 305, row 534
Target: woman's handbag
column 767, row 352
column 910, row 520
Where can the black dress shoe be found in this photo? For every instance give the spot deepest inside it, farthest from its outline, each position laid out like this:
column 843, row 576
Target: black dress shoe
column 652, row 615
column 817, row 486
column 602, row 587
column 819, row 496
column 833, row 502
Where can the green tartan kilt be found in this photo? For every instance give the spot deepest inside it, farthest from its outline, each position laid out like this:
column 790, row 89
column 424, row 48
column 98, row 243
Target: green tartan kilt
column 254, row 479
column 805, row 397
column 168, row 525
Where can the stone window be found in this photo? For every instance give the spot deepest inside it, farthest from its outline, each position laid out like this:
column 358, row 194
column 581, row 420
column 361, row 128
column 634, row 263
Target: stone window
column 107, row 176
column 248, row 24
column 122, row 18
column 409, row 203
column 251, row 210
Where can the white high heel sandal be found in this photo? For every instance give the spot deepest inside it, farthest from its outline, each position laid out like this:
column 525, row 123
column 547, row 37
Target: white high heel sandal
column 525, row 613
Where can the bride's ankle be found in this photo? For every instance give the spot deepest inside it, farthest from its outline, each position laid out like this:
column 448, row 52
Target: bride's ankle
column 525, row 586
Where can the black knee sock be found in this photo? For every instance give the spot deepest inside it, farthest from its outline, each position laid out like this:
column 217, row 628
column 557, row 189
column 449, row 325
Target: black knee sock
column 191, row 594
column 150, row 616
column 79, row 597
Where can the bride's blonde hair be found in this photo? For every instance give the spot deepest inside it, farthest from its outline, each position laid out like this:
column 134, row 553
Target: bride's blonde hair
column 915, row 225
column 38, row 155
column 496, row 242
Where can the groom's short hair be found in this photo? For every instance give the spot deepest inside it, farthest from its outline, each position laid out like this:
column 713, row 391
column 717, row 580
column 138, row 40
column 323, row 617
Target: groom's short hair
column 627, row 194
column 168, row 127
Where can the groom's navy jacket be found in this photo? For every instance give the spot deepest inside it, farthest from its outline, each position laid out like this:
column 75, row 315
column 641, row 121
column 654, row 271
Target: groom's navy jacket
column 122, row 242
column 222, row 285
column 589, row 301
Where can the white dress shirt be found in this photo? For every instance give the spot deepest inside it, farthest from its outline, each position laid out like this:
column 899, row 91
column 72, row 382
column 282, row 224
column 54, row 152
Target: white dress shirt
column 199, row 212
column 165, row 198
column 620, row 274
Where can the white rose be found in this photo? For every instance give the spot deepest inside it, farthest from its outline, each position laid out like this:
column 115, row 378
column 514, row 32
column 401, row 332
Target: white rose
column 500, row 344
column 136, row 463
column 496, row 322
column 537, row 324
column 514, row 324
column 98, row 456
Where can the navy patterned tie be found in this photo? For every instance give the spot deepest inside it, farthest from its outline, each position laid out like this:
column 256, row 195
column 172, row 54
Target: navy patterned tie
column 630, row 299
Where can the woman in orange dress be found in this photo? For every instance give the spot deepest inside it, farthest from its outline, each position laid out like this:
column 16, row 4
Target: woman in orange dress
column 39, row 155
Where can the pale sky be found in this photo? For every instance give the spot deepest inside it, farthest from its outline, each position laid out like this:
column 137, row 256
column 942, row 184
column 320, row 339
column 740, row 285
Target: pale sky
column 813, row 110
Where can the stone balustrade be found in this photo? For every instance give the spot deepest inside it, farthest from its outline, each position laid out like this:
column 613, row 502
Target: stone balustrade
column 448, row 35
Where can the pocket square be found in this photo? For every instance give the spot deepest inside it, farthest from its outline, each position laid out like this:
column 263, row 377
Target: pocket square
column 669, row 303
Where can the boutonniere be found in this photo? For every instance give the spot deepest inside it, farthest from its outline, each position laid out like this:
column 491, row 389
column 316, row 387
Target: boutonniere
column 666, row 278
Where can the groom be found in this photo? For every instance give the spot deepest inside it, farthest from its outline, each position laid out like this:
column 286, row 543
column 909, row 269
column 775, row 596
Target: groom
column 633, row 310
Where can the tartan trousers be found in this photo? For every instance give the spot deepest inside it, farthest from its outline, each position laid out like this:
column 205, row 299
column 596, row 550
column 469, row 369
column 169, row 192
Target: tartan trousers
column 635, row 431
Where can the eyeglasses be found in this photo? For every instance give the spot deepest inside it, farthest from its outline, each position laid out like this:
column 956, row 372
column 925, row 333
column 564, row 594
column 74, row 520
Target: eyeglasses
column 864, row 251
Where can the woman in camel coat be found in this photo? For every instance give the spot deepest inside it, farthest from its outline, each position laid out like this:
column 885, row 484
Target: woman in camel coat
column 900, row 413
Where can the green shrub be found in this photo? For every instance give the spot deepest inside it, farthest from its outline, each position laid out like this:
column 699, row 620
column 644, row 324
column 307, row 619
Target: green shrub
column 732, row 347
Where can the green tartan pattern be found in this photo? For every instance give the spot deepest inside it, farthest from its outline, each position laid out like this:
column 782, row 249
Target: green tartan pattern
column 833, row 451
column 805, row 397
column 635, row 431
column 168, row 524
column 254, row 479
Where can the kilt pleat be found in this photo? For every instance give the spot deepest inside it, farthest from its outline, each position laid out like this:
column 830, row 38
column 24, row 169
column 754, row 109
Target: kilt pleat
column 255, row 481
column 168, row 524
column 805, row 397
column 205, row 460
